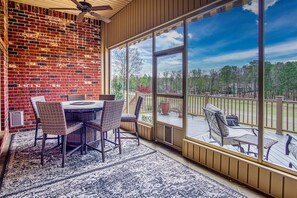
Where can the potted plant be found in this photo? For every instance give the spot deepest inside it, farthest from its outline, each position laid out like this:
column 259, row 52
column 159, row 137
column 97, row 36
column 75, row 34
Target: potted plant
column 164, row 106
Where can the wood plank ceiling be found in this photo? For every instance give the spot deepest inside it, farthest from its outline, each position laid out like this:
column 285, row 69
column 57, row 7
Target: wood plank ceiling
column 116, row 5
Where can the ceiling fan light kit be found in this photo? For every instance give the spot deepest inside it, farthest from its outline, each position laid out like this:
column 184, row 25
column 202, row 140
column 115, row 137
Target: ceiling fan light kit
column 85, row 8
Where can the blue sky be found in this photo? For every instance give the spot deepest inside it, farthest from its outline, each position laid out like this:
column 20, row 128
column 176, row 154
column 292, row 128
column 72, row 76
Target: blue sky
column 231, row 38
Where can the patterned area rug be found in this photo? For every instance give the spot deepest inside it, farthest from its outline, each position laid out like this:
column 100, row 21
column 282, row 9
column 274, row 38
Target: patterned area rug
column 138, row 172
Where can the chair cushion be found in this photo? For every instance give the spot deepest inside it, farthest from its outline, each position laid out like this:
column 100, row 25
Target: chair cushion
column 128, row 117
column 237, row 132
column 293, row 147
column 233, row 133
column 212, row 107
column 73, row 126
column 222, row 122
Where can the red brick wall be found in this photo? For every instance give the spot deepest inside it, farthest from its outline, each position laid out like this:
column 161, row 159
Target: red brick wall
column 52, row 55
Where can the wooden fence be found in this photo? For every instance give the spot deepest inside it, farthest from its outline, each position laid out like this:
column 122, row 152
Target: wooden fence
column 279, row 114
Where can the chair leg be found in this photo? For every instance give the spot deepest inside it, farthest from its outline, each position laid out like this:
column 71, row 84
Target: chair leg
column 137, row 135
column 81, row 141
column 102, row 146
column 64, row 141
column 104, row 135
column 85, row 140
column 58, row 140
column 43, row 148
column 115, row 135
column 36, row 133
column 117, row 131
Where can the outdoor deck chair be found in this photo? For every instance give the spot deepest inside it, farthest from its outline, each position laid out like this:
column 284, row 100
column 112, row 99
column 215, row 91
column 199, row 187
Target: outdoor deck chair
column 219, row 129
column 133, row 118
column 76, row 97
column 37, row 118
column 110, row 121
column 291, row 148
column 53, row 121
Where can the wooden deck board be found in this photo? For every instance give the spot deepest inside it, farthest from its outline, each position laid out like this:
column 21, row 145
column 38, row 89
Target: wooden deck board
column 198, row 129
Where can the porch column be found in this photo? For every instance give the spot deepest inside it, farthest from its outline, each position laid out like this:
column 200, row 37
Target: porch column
column 206, row 98
column 279, row 114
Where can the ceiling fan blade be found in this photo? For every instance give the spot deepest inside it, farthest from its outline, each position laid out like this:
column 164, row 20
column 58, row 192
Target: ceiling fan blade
column 63, row 8
column 98, row 16
column 104, row 7
column 77, row 3
column 81, row 16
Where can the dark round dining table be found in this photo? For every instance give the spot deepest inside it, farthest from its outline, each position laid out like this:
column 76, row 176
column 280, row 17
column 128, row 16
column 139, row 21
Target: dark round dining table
column 82, row 110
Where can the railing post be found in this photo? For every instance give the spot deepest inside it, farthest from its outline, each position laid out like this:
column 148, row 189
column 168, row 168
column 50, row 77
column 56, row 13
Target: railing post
column 279, row 114
column 206, row 98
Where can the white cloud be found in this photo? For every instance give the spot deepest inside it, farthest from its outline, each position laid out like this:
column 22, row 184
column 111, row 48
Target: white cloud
column 289, row 47
column 190, row 36
column 173, row 37
column 174, row 62
column 232, row 56
column 253, row 5
column 169, row 39
column 285, row 48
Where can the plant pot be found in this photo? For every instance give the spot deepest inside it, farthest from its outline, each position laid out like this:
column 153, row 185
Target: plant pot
column 164, row 108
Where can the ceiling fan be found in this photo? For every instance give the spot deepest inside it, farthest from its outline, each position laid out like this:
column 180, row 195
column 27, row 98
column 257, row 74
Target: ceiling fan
column 85, row 8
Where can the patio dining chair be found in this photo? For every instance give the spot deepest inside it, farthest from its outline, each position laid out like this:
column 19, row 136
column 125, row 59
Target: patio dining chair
column 53, row 121
column 133, row 118
column 106, row 97
column 220, row 131
column 37, row 118
column 76, row 97
column 110, row 121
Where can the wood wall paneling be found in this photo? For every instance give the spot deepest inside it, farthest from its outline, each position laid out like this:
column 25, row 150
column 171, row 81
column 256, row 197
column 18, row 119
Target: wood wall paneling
column 243, row 171
column 264, row 180
column 233, row 171
column 160, row 131
column 185, row 6
column 185, row 151
column 276, row 184
column 225, row 165
column 140, row 16
column 178, row 136
column 191, row 151
column 217, row 161
column 202, row 156
column 191, row 5
column 209, row 158
column 253, row 175
column 145, row 131
column 290, row 188
column 196, row 153
column 180, row 7
column 166, row 10
column 273, row 183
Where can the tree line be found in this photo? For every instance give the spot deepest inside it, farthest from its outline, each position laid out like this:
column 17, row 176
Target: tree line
column 280, row 78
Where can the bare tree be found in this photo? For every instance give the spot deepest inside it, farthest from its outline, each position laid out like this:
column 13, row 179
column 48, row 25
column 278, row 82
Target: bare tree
column 135, row 62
